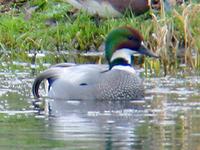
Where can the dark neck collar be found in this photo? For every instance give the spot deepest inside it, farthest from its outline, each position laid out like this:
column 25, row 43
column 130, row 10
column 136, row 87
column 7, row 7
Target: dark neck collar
column 118, row 61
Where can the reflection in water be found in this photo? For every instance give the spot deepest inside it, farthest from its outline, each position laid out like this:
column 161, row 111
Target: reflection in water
column 167, row 119
column 108, row 124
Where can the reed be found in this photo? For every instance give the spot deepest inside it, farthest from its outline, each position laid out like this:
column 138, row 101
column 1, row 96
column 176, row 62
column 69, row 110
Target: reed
column 55, row 26
column 175, row 38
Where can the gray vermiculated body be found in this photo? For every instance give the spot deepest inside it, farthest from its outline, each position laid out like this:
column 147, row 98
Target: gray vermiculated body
column 97, row 84
column 76, row 82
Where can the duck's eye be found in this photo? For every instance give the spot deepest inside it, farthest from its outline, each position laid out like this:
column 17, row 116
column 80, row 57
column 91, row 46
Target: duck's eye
column 130, row 37
column 133, row 38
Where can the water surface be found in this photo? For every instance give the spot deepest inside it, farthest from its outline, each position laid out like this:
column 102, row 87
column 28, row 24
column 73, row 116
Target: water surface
column 168, row 118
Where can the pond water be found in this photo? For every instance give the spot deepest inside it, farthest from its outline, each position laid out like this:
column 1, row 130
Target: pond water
column 168, row 119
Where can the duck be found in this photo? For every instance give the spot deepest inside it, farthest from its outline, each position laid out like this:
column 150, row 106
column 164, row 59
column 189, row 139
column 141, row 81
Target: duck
column 111, row 8
column 117, row 80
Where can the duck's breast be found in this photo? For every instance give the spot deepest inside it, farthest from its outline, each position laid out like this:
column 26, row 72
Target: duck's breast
column 120, row 85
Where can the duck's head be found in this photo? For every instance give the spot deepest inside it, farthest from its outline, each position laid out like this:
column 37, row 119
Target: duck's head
column 122, row 43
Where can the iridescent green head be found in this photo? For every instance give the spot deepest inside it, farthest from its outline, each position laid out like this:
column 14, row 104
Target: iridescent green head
column 125, row 38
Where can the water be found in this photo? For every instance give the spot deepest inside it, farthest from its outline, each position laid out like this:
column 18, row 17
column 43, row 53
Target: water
column 168, row 119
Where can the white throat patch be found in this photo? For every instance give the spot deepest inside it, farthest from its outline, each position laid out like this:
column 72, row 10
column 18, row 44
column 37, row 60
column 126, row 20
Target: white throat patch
column 123, row 53
column 125, row 68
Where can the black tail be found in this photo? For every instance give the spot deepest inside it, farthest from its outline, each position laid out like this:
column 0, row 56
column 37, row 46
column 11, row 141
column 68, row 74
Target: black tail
column 51, row 73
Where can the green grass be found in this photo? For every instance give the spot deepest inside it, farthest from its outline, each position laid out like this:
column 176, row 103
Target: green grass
column 164, row 32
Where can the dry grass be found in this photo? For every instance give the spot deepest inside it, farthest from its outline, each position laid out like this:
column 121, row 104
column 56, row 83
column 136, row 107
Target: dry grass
column 176, row 38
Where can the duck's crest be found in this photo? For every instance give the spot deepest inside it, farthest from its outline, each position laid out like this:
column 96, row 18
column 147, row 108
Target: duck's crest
column 134, row 32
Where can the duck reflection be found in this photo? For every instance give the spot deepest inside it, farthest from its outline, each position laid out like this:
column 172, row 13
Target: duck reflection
column 107, row 124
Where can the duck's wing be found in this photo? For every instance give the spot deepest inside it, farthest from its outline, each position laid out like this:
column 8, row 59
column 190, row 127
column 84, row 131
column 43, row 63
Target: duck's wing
column 69, row 75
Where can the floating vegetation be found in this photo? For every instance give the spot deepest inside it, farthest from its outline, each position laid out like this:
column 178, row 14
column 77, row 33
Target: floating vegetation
column 55, row 26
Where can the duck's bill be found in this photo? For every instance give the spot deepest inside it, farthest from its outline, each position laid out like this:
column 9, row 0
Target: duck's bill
column 145, row 51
